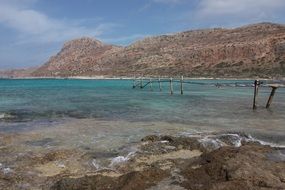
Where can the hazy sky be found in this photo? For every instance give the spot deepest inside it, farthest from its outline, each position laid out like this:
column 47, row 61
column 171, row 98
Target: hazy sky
column 33, row 30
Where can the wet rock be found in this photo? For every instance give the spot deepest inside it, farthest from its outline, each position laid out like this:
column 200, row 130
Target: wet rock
column 167, row 138
column 132, row 180
column 42, row 142
column 236, row 168
column 151, row 138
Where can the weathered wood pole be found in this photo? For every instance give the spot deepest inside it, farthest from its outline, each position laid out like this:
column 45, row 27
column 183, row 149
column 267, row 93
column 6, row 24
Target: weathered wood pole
column 134, row 83
column 150, row 84
column 141, row 83
column 159, row 84
column 171, row 87
column 181, row 85
column 256, row 85
column 271, row 96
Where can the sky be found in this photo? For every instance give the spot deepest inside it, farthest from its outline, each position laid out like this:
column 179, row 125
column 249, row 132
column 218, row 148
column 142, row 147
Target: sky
column 33, row 30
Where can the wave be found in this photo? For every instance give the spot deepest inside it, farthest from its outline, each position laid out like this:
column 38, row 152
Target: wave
column 215, row 141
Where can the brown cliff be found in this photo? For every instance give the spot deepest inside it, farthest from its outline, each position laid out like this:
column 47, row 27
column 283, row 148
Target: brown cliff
column 254, row 50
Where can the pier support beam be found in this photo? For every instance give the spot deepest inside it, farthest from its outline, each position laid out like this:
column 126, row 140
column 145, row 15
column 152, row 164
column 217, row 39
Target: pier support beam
column 141, row 83
column 181, row 85
column 271, row 96
column 159, row 84
column 171, row 86
column 134, row 83
column 256, row 85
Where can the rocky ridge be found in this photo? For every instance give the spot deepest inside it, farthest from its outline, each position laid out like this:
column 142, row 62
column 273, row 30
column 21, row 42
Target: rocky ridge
column 249, row 51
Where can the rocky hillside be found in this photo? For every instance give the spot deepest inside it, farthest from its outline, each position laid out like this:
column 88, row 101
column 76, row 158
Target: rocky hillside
column 254, row 50
column 19, row 73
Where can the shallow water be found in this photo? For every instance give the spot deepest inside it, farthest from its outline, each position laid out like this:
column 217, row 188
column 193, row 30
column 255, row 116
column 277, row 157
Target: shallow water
column 106, row 114
column 50, row 127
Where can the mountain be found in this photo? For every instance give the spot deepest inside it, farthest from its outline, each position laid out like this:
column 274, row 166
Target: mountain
column 248, row 51
column 18, row 73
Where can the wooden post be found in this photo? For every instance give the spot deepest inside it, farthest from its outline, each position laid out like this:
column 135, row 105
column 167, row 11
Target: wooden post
column 150, row 84
column 134, row 83
column 181, row 85
column 141, row 82
column 256, row 84
column 271, row 96
column 171, row 87
column 159, row 83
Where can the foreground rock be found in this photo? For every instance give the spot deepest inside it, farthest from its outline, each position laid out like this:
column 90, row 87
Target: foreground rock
column 187, row 163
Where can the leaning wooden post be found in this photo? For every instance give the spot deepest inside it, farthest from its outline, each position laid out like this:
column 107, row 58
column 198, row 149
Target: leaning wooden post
column 181, row 85
column 171, row 86
column 159, row 83
column 256, row 84
column 271, row 96
column 134, row 83
column 150, row 84
column 141, row 82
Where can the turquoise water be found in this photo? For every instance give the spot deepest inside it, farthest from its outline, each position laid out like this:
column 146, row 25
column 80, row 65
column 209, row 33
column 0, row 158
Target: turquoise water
column 29, row 104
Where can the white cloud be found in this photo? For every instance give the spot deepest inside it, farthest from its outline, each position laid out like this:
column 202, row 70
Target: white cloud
column 239, row 9
column 38, row 27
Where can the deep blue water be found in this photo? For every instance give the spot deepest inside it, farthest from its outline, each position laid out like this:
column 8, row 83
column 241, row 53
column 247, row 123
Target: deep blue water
column 35, row 101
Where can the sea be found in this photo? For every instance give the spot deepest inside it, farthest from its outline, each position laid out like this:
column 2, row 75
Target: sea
column 107, row 115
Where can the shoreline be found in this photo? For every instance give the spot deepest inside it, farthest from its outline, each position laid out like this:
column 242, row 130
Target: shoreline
column 132, row 78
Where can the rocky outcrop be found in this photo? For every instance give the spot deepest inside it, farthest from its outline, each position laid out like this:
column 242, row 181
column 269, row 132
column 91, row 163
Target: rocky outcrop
column 204, row 161
column 254, row 50
column 76, row 58
column 179, row 164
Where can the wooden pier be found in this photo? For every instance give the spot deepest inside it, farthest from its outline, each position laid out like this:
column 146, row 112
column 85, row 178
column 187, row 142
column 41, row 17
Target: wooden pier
column 273, row 86
column 143, row 82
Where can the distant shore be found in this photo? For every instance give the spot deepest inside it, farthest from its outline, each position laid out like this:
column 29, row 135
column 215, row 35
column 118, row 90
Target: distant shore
column 144, row 77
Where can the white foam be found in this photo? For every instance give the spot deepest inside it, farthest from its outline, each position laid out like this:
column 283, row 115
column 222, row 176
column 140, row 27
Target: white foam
column 211, row 143
column 95, row 164
column 251, row 139
column 121, row 159
column 61, row 165
column 213, row 139
column 7, row 170
column 237, row 141
column 2, row 115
